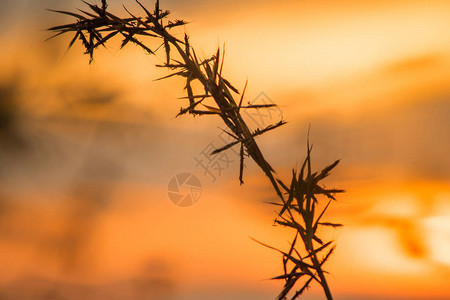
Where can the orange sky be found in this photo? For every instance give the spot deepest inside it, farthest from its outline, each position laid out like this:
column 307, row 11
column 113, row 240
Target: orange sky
column 86, row 163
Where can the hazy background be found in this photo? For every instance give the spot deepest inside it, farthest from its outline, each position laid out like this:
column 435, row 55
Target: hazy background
column 87, row 151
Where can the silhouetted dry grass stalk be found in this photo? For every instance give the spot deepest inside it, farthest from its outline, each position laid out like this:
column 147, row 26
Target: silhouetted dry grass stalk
column 95, row 27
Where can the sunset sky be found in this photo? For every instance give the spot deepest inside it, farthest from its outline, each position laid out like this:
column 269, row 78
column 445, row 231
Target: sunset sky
column 87, row 152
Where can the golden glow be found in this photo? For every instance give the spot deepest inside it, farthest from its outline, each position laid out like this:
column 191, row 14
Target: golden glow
column 438, row 239
column 84, row 200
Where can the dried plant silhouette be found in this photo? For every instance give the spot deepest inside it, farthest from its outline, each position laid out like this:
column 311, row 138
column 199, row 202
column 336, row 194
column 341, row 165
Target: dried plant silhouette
column 297, row 202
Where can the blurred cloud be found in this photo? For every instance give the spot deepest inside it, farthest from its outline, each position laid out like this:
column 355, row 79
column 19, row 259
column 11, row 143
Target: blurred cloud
column 153, row 283
column 416, row 64
column 409, row 138
column 10, row 133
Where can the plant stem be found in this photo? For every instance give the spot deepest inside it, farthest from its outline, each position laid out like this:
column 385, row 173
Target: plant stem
column 323, row 281
column 251, row 145
column 228, row 110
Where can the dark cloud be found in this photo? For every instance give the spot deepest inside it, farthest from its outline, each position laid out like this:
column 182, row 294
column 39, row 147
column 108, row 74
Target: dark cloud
column 11, row 135
column 25, row 12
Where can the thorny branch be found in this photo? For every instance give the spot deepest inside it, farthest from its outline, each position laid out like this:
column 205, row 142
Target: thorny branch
column 298, row 201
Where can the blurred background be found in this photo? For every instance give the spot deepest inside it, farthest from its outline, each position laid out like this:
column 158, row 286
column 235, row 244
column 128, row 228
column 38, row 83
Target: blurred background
column 87, row 152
